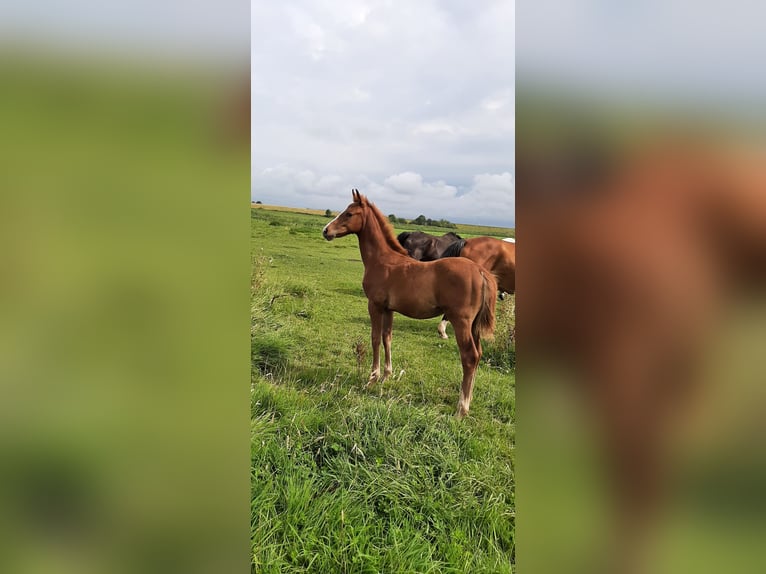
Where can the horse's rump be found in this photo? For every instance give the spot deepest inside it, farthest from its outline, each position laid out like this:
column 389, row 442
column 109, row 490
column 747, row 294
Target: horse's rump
column 465, row 279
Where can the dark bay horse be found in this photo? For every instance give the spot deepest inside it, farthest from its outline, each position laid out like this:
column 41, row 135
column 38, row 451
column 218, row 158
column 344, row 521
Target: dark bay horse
column 496, row 255
column 393, row 281
column 426, row 247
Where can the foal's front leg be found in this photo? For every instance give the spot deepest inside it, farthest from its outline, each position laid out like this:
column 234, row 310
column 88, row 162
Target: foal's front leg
column 388, row 327
column 376, row 318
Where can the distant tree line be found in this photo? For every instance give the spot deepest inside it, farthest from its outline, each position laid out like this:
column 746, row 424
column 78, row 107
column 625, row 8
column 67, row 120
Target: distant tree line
column 419, row 220
column 423, row 220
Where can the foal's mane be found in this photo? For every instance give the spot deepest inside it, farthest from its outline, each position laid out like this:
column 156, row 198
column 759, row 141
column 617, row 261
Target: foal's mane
column 385, row 226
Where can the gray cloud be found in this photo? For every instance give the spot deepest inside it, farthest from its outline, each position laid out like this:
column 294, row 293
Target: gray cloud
column 412, row 102
column 488, row 198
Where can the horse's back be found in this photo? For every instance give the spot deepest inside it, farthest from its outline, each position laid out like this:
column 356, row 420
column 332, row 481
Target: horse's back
column 412, row 288
column 422, row 290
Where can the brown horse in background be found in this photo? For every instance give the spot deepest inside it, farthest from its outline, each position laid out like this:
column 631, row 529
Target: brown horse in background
column 496, row 255
column 393, row 281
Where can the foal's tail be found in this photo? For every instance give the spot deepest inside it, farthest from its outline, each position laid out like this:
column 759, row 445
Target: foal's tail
column 484, row 322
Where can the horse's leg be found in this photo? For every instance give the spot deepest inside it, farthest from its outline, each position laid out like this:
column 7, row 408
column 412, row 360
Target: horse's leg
column 388, row 327
column 477, row 343
column 442, row 328
column 469, row 357
column 376, row 318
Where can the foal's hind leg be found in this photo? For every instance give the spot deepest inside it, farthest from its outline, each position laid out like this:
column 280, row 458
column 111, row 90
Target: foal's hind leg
column 469, row 357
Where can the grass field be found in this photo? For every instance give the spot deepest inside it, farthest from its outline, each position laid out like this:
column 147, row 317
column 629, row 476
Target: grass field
column 461, row 228
column 348, row 479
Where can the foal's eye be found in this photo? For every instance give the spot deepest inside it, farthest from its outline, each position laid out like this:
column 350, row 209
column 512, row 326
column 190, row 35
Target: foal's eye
column 347, row 214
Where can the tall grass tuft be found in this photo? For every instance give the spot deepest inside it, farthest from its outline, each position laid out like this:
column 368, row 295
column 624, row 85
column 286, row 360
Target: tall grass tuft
column 269, row 354
column 500, row 353
column 360, row 352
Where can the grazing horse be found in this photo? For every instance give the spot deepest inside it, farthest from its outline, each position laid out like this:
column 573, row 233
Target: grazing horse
column 393, row 281
column 496, row 255
column 425, row 247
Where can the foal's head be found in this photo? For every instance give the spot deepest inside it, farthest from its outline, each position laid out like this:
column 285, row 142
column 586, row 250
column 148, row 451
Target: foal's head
column 350, row 220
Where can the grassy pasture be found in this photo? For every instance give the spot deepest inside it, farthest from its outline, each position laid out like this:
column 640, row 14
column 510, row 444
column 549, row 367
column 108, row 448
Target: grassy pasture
column 462, row 229
column 347, row 479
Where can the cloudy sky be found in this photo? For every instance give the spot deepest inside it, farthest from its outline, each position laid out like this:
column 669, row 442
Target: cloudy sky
column 411, row 102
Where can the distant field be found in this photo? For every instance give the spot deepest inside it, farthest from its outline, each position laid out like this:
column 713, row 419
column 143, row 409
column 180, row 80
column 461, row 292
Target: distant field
column 304, row 210
column 348, row 479
column 462, row 228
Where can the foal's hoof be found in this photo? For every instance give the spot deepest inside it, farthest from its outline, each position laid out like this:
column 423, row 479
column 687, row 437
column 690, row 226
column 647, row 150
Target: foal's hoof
column 461, row 412
column 443, row 335
column 374, row 378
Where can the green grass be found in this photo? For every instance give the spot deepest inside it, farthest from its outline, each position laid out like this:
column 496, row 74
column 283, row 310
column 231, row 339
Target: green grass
column 348, row 479
column 275, row 214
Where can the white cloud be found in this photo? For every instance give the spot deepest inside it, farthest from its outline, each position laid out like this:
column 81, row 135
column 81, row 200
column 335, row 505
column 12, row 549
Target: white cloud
column 356, row 13
column 498, row 101
column 434, row 127
column 488, row 199
column 377, row 94
column 359, row 95
column 406, row 182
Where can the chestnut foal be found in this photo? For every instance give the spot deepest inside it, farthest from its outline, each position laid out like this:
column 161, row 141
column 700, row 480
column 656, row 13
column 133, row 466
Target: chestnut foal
column 456, row 287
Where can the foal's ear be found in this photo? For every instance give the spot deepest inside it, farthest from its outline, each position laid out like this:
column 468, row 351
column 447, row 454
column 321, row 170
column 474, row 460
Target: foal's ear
column 358, row 197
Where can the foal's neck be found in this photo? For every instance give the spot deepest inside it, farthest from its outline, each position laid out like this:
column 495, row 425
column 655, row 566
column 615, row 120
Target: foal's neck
column 372, row 242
